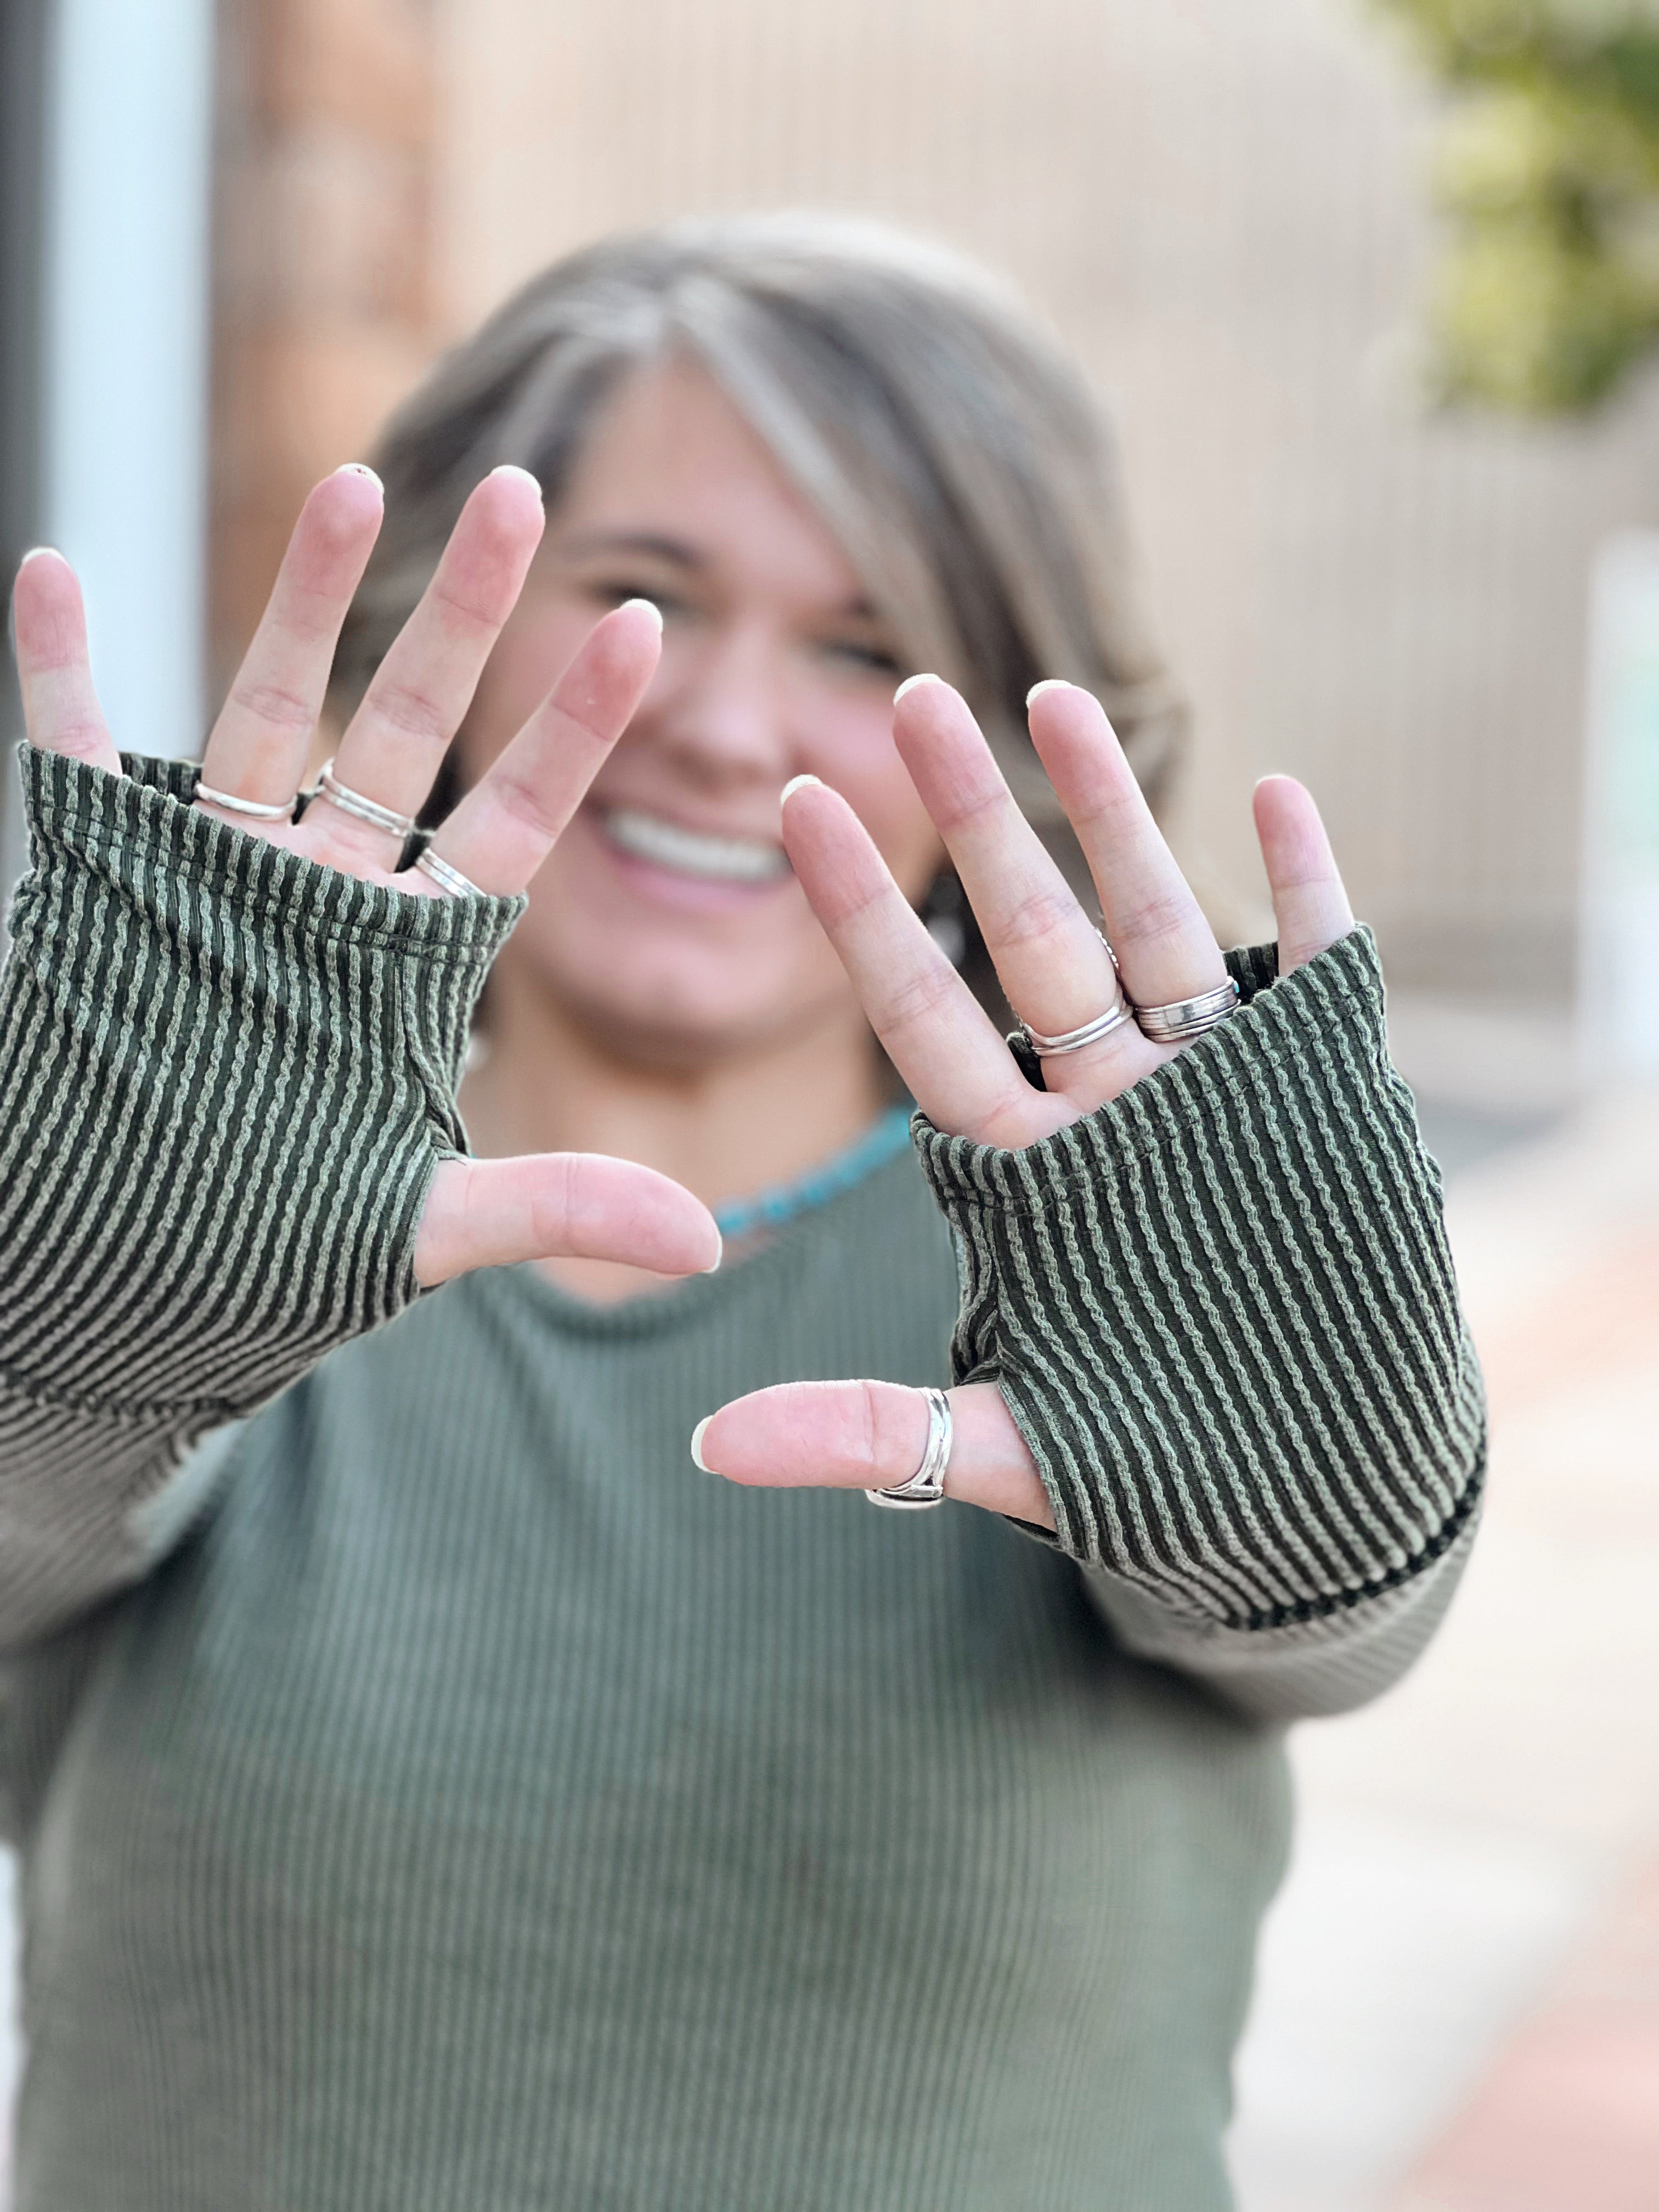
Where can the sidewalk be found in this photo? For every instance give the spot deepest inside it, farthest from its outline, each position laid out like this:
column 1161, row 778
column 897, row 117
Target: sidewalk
column 1458, row 2006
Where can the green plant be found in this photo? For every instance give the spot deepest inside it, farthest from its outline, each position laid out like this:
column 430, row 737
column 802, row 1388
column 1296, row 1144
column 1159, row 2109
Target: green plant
column 1546, row 295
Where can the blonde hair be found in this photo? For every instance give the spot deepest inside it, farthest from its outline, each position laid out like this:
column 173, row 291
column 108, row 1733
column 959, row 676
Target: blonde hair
column 953, row 450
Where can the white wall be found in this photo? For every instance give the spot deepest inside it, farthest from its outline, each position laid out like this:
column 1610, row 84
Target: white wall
column 125, row 328
column 126, row 335
column 1618, row 983
column 1222, row 205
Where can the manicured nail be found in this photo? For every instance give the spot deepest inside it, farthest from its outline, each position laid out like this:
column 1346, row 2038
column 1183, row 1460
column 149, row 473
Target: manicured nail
column 713, row 1269
column 361, row 469
column 911, row 681
column 34, row 553
column 1049, row 684
column 797, row 783
column 651, row 608
column 511, row 469
column 696, row 1443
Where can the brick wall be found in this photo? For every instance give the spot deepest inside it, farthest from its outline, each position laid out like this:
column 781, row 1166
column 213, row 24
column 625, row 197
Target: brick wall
column 324, row 313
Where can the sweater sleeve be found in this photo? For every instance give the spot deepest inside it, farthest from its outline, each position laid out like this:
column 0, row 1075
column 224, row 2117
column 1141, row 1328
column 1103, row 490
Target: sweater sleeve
column 1223, row 1312
column 226, row 1077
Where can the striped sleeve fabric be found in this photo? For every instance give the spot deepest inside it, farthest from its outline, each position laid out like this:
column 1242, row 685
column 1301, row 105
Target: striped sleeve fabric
column 1223, row 1312
column 227, row 1075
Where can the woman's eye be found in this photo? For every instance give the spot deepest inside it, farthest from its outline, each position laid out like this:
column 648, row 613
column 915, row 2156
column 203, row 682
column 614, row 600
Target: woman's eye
column 855, row 653
column 616, row 591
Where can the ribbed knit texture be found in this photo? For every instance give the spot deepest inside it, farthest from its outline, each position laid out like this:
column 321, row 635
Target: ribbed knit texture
column 1222, row 1311
column 435, row 1793
column 229, row 1076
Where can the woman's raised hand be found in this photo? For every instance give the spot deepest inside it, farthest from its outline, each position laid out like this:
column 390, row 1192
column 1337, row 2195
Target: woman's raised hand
column 1058, row 976
column 478, row 1212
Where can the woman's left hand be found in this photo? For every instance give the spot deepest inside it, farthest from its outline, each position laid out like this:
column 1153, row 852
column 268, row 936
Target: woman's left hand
column 1058, row 975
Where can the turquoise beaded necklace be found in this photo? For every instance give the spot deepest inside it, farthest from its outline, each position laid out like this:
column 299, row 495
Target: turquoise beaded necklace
column 770, row 1209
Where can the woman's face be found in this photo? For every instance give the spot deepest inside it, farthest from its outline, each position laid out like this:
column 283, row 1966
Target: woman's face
column 667, row 922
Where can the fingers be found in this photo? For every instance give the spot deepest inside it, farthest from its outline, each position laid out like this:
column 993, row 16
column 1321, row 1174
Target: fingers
column 1165, row 948
column 1310, row 905
column 491, row 1213
column 1056, row 972
column 424, row 687
column 60, row 707
column 502, row 830
column 259, row 745
column 869, row 1436
column 938, row 1037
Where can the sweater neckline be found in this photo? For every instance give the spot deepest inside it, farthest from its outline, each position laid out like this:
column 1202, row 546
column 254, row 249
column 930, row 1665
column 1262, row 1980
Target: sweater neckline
column 887, row 1137
column 681, row 1306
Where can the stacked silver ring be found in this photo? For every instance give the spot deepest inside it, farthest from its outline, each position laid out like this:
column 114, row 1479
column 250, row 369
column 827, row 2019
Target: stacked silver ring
column 434, row 865
column 1183, row 1019
column 926, row 1485
column 257, row 810
column 354, row 803
column 1050, row 1048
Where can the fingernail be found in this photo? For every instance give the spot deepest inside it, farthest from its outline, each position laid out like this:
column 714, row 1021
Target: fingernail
column 713, row 1269
column 34, row 553
column 511, row 469
column 696, row 1443
column 796, row 783
column 911, row 681
column 1049, row 684
column 651, row 608
column 361, row 469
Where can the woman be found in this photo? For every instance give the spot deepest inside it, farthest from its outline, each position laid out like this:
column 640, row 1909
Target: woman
column 433, row 1790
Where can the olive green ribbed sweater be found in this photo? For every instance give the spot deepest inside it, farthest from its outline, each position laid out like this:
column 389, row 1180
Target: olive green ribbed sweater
column 433, row 1793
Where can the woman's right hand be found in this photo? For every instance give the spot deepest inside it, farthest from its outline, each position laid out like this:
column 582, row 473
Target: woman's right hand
column 478, row 1212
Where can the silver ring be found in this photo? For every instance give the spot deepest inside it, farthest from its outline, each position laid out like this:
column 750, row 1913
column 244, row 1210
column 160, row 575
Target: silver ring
column 1183, row 1019
column 926, row 1485
column 365, row 809
column 258, row 809
column 1048, row 1047
column 434, row 865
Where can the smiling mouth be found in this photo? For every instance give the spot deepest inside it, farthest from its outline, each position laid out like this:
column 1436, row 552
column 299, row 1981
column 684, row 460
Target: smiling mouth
column 692, row 853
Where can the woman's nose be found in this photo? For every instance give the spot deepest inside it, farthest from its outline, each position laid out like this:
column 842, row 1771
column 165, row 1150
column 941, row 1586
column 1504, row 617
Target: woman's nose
column 719, row 703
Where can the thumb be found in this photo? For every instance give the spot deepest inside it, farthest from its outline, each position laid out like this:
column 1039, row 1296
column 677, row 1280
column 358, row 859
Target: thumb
column 869, row 1436
column 488, row 1213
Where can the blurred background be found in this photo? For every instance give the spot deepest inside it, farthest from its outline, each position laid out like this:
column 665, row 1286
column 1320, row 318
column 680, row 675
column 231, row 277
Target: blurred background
column 1370, row 288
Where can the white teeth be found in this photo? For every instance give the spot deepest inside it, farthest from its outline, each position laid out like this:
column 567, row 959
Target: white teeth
column 690, row 852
